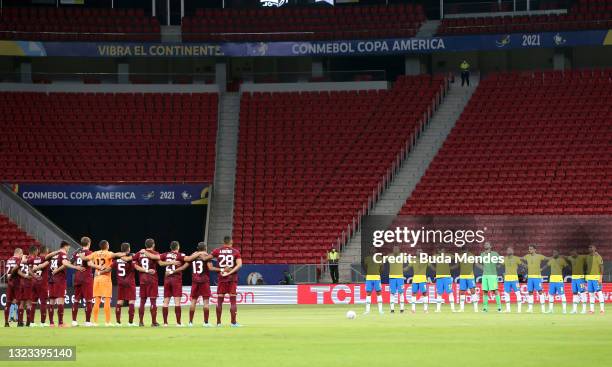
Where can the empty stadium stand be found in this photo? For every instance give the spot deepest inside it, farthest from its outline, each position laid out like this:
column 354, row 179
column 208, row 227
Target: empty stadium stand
column 586, row 14
column 107, row 137
column 308, row 163
column 12, row 236
column 528, row 143
column 303, row 23
column 76, row 24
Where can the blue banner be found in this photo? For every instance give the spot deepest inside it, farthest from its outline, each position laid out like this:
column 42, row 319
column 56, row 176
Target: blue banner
column 146, row 194
column 315, row 48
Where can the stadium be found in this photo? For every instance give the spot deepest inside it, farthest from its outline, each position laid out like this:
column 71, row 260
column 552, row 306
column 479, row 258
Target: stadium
column 306, row 182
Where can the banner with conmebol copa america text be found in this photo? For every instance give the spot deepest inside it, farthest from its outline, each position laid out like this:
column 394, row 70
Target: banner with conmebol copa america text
column 365, row 46
column 116, row 194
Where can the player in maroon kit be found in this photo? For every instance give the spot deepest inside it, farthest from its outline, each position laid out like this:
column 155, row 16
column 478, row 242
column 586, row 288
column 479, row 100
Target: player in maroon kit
column 174, row 262
column 146, row 264
column 12, row 286
column 200, row 282
column 229, row 261
column 25, row 287
column 57, row 265
column 83, row 283
column 125, row 270
column 40, row 285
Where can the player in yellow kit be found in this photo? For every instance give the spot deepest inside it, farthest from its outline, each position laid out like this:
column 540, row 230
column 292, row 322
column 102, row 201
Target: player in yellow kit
column 373, row 286
column 103, row 286
column 467, row 283
column 579, row 294
column 444, row 283
column 511, row 280
column 594, row 274
column 419, row 283
column 555, row 280
column 396, row 282
column 534, row 277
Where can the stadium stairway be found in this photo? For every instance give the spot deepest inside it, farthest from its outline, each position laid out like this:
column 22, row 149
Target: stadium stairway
column 428, row 28
column 222, row 201
column 411, row 171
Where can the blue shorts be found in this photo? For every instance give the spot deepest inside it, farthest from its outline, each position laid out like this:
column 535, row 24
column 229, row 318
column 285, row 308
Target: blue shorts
column 419, row 287
column 466, row 284
column 444, row 285
column 578, row 285
column 593, row 286
column 556, row 288
column 373, row 285
column 511, row 286
column 534, row 284
column 396, row 285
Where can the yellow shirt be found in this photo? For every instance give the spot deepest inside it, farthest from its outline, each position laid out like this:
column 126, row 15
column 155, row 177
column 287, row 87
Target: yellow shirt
column 594, row 263
column 534, row 265
column 466, row 269
column 511, row 264
column 396, row 270
column 578, row 264
column 372, row 269
column 420, row 272
column 442, row 270
column 556, row 269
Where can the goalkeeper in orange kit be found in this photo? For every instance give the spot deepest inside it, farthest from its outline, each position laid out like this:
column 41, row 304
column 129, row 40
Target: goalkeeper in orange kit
column 103, row 286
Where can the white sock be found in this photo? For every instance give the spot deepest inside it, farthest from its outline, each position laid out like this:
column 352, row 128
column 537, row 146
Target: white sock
column 507, row 300
column 551, row 302
column 438, row 303
column 425, row 303
column 592, row 302
column 583, row 299
column 601, row 300
column 368, row 303
column 401, row 297
column 380, row 303
column 462, row 302
column 563, row 303
column 413, row 303
column 392, row 303
column 530, row 301
column 542, row 302
column 475, row 300
column 451, row 300
column 575, row 300
column 519, row 300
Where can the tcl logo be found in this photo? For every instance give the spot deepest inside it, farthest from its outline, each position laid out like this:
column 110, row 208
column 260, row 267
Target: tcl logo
column 337, row 294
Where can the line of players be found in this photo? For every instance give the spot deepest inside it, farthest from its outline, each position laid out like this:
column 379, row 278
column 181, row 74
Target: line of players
column 586, row 269
column 40, row 278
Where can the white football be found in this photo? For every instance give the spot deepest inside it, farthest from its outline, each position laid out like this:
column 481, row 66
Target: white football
column 351, row 314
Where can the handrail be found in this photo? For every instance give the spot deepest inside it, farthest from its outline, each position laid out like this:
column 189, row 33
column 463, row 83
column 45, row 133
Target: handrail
column 346, row 235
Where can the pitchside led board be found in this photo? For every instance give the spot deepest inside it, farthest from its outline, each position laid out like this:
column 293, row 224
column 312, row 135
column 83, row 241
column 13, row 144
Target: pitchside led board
column 116, row 194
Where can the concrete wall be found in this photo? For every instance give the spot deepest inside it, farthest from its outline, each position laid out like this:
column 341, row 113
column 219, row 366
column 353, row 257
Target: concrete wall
column 322, row 86
column 109, row 88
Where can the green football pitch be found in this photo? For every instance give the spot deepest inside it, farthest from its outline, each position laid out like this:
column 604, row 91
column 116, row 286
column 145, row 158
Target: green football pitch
column 322, row 336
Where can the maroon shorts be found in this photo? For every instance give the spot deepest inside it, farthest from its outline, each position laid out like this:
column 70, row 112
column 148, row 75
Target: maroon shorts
column 200, row 290
column 57, row 290
column 12, row 293
column 25, row 293
column 148, row 290
column 40, row 291
column 126, row 292
column 173, row 286
column 227, row 288
column 83, row 291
